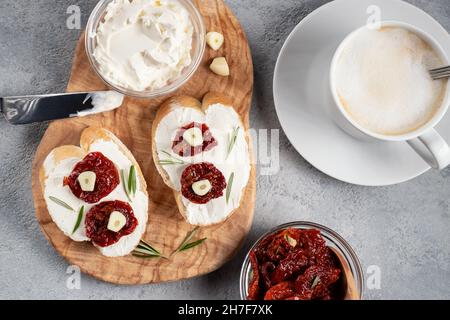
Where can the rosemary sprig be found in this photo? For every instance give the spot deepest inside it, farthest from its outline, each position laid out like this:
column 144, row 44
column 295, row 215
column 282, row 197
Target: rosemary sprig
column 61, row 203
column 146, row 251
column 132, row 181
column 125, row 187
column 229, row 186
column 315, row 282
column 187, row 244
column 171, row 161
column 188, row 238
column 80, row 218
column 233, row 140
column 130, row 185
column 193, row 244
column 168, row 163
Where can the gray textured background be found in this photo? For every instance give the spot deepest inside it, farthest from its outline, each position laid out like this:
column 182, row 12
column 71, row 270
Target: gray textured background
column 403, row 229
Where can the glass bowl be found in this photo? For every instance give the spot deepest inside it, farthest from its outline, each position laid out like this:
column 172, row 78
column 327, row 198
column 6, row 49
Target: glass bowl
column 332, row 239
column 198, row 49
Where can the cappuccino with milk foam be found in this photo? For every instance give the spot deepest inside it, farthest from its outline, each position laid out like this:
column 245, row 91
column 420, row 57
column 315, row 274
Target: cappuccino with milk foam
column 382, row 81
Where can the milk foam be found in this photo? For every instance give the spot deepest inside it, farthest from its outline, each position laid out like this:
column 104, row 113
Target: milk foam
column 382, row 80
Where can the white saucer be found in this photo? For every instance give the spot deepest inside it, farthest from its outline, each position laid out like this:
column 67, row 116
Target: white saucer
column 303, row 103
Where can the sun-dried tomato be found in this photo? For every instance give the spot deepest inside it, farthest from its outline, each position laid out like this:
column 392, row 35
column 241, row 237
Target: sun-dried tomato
column 198, row 172
column 296, row 264
column 107, row 177
column 274, row 248
column 97, row 223
column 266, row 270
column 184, row 149
column 281, row 291
column 316, row 281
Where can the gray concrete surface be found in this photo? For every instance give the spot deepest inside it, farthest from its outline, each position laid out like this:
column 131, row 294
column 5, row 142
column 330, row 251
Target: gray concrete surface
column 402, row 229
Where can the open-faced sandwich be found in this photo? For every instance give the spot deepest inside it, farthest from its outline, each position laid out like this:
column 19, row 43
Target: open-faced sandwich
column 202, row 152
column 97, row 192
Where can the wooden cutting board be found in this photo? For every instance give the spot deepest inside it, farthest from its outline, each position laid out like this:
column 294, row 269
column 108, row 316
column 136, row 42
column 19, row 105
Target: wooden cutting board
column 132, row 124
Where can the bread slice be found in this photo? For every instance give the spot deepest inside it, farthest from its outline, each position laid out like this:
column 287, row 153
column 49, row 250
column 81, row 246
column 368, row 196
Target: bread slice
column 168, row 107
column 89, row 137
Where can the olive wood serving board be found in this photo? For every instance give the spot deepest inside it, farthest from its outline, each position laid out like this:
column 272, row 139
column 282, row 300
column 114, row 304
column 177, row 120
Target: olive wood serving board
column 132, row 123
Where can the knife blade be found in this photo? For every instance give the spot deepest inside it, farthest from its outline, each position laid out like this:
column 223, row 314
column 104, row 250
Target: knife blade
column 38, row 108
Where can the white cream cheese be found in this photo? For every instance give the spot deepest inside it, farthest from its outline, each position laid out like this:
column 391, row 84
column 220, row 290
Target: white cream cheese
column 66, row 219
column 222, row 121
column 144, row 44
column 102, row 101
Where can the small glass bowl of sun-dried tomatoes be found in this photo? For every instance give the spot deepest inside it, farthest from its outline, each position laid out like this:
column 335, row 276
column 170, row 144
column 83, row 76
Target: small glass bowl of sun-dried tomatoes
column 299, row 261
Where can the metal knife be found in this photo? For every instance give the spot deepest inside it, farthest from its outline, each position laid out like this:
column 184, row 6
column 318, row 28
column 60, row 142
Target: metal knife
column 38, row 108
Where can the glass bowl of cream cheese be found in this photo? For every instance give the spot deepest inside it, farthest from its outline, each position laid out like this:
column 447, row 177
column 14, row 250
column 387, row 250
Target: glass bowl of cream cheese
column 145, row 48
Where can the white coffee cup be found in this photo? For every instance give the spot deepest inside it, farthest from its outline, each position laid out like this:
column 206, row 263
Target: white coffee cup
column 425, row 140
